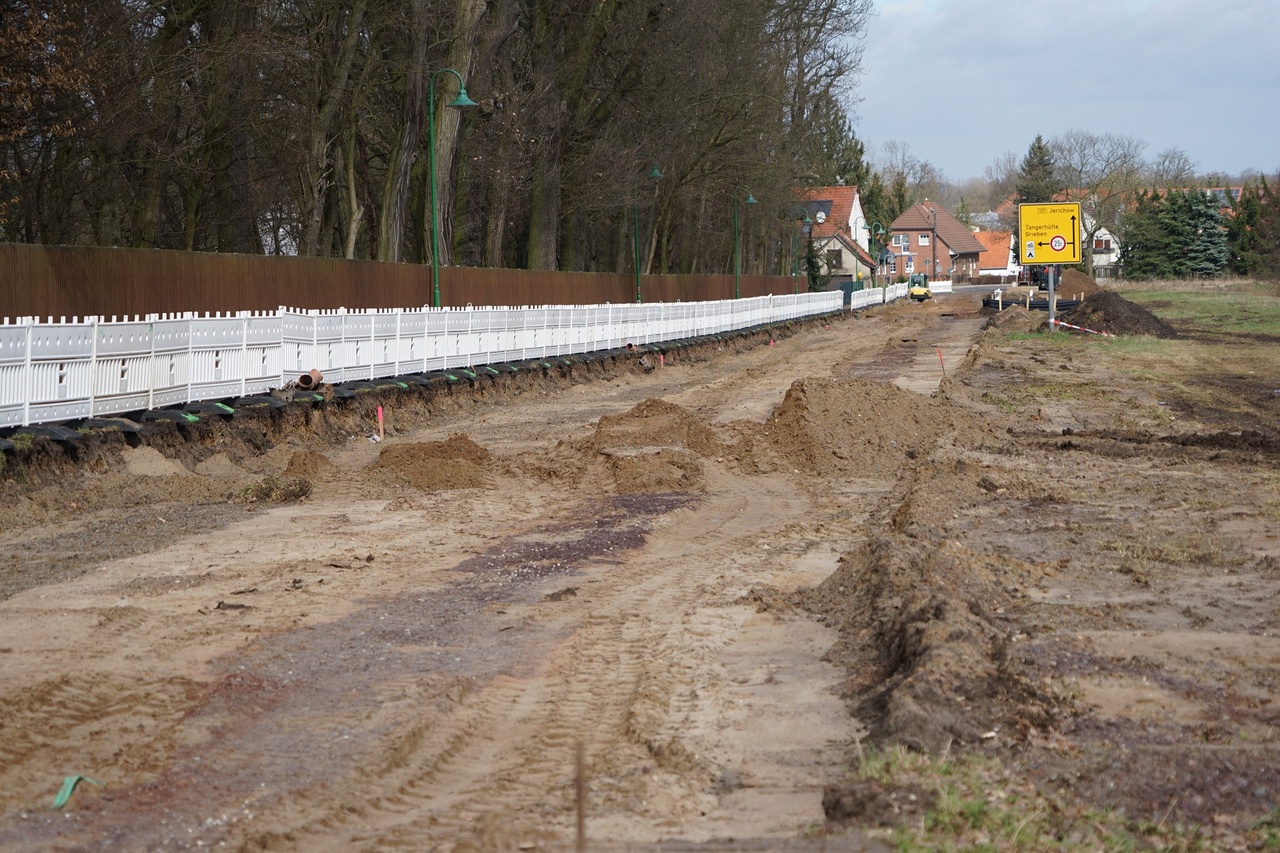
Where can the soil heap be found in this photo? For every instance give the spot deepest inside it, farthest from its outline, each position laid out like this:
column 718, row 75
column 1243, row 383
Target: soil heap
column 455, row 463
column 1105, row 311
column 1076, row 284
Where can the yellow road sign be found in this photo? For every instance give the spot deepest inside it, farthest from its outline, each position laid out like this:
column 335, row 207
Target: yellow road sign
column 1049, row 233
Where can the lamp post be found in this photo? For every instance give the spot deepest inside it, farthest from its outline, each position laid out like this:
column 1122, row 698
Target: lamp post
column 654, row 174
column 737, row 243
column 460, row 102
column 805, row 223
column 873, row 229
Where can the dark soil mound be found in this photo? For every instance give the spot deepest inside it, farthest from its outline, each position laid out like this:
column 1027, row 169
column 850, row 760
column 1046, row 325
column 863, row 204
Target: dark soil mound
column 1105, row 311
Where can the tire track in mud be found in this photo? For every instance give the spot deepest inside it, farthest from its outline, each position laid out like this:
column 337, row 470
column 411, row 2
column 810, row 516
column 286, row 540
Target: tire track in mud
column 62, row 723
column 499, row 771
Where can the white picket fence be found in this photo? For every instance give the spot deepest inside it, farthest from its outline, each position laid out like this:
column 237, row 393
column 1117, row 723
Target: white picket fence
column 51, row 372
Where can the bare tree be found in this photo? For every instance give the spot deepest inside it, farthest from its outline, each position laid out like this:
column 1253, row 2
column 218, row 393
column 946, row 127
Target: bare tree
column 1172, row 167
column 1102, row 171
column 1001, row 178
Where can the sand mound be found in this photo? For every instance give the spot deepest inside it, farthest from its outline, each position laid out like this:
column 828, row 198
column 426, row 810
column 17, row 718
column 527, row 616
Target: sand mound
column 1105, row 311
column 862, row 427
column 1076, row 284
column 661, row 472
column 149, row 462
column 1016, row 319
column 309, row 465
column 655, row 447
column 655, row 424
column 455, row 463
column 219, row 465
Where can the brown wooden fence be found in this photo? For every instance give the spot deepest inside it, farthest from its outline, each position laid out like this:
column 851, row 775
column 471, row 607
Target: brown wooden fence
column 61, row 281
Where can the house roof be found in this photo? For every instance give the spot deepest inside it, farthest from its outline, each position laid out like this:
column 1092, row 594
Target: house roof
column 834, row 203
column 997, row 249
column 920, row 217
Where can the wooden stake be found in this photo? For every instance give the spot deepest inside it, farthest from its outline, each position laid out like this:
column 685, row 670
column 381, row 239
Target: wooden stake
column 580, row 784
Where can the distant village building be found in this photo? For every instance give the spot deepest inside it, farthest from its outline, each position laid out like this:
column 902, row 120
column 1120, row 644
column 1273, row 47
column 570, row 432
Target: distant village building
column 928, row 239
column 999, row 258
column 839, row 230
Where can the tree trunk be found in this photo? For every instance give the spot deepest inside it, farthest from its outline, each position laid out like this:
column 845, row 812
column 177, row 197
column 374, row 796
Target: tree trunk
column 466, row 29
column 395, row 192
column 228, row 145
column 320, row 164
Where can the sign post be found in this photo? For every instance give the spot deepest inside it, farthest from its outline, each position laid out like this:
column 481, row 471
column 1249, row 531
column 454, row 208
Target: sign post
column 1049, row 234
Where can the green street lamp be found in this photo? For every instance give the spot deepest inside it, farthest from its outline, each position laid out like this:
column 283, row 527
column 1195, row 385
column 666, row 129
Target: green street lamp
column 876, row 229
column 460, row 102
column 655, row 174
column 737, row 242
column 806, row 224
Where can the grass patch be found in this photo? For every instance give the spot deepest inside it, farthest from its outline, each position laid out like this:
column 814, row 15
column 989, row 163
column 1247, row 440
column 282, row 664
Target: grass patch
column 983, row 804
column 274, row 490
column 1253, row 310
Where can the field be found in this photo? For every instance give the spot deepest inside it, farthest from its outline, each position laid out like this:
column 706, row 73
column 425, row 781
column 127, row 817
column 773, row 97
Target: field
column 915, row 578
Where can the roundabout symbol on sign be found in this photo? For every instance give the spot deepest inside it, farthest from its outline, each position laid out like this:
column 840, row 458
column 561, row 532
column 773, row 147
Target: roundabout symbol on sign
column 1058, row 243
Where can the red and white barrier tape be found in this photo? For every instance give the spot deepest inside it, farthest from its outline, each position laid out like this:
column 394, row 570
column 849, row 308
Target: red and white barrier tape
column 1058, row 322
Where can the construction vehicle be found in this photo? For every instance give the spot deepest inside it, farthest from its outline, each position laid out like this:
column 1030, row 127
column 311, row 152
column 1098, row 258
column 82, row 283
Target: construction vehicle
column 918, row 287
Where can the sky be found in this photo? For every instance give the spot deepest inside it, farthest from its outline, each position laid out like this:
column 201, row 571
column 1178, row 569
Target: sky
column 963, row 81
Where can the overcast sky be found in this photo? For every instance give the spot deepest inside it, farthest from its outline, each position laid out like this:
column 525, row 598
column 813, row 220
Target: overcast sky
column 1200, row 76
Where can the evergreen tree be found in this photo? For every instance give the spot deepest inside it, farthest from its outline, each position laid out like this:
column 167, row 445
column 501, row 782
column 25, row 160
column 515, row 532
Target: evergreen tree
column 1174, row 235
column 1144, row 253
column 1206, row 253
column 1037, row 178
column 1246, row 212
column 1266, row 232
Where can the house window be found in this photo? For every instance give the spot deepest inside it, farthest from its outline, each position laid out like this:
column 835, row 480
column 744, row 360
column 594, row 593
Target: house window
column 835, row 259
column 1101, row 245
column 902, row 241
column 924, row 239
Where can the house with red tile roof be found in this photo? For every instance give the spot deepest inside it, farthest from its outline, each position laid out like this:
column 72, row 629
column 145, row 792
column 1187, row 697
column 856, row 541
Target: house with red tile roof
column 839, row 230
column 998, row 257
column 928, row 239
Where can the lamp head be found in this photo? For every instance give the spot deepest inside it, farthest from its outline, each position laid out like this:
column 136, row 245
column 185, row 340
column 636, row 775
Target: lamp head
column 462, row 101
column 751, row 199
column 655, row 174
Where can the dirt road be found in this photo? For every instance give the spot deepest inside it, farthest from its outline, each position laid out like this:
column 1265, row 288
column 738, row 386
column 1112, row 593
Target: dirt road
column 715, row 579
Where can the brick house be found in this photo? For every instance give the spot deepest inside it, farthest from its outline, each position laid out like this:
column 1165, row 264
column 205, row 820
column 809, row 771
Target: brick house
column 927, row 239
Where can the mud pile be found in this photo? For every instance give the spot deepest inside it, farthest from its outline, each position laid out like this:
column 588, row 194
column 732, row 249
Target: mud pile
column 455, row 463
column 921, row 631
column 864, row 428
column 1105, row 311
column 655, row 447
column 655, row 424
column 309, row 465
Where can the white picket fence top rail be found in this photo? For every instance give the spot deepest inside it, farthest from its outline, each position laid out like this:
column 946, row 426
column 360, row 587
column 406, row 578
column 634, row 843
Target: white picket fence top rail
column 52, row 372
